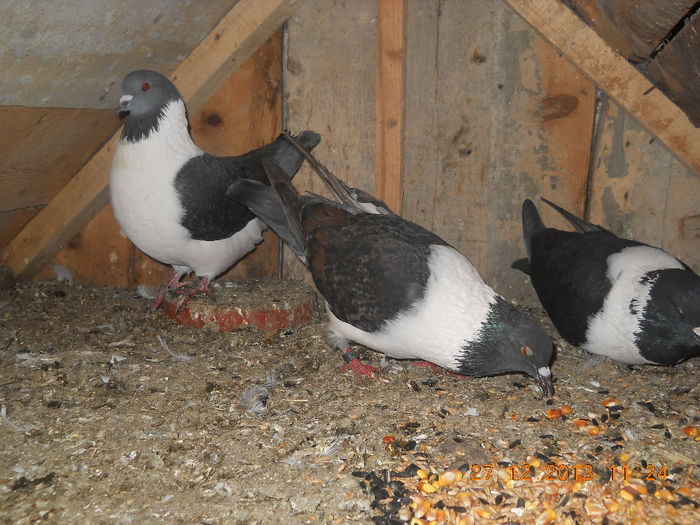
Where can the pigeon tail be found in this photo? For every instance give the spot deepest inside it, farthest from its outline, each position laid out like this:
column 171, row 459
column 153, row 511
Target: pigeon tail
column 532, row 224
column 581, row 225
column 286, row 155
column 291, row 203
column 350, row 197
column 264, row 202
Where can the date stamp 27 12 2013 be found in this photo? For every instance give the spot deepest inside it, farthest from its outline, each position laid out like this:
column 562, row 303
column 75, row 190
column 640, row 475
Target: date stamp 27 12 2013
column 562, row 472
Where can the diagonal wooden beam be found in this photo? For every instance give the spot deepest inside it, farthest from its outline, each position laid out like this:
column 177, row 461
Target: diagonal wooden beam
column 617, row 77
column 245, row 27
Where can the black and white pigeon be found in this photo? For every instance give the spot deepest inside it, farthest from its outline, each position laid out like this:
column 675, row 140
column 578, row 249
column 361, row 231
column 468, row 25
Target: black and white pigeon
column 169, row 196
column 612, row 296
column 396, row 287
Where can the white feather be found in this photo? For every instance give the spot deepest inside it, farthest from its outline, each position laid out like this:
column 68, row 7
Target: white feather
column 455, row 304
column 611, row 330
column 148, row 208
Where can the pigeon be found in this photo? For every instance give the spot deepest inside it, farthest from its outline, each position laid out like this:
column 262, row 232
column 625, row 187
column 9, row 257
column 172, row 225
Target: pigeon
column 169, row 196
column 395, row 287
column 611, row 296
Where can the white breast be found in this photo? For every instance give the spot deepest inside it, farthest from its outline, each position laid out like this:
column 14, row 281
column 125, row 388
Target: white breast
column 455, row 305
column 611, row 331
column 147, row 206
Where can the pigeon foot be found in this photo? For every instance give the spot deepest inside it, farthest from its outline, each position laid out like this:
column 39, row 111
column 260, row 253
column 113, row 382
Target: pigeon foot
column 173, row 284
column 202, row 287
column 359, row 369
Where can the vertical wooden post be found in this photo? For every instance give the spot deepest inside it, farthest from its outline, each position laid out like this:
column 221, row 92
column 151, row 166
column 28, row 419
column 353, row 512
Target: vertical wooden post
column 390, row 101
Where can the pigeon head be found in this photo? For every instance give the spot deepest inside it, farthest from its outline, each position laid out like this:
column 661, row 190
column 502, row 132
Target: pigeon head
column 145, row 96
column 671, row 318
column 509, row 341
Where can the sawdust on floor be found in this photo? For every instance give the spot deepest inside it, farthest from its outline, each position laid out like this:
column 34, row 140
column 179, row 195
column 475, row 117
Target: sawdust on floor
column 102, row 424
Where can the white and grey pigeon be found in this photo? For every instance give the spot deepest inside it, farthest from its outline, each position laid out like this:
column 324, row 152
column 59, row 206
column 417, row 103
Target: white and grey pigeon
column 169, row 196
column 396, row 287
column 612, row 296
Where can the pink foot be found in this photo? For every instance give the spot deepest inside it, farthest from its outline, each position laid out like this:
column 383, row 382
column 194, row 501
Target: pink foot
column 435, row 368
column 172, row 285
column 202, row 287
column 427, row 364
column 352, row 361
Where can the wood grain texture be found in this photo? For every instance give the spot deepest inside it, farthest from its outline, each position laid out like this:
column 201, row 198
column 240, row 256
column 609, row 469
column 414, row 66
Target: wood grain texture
column 641, row 191
column 491, row 119
column 244, row 114
column 617, row 77
column 390, row 101
column 42, row 149
column 235, row 38
column 633, row 29
column 676, row 69
column 330, row 78
column 13, row 221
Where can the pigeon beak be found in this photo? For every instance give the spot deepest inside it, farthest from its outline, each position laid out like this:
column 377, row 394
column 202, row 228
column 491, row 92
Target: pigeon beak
column 124, row 106
column 544, row 378
column 697, row 330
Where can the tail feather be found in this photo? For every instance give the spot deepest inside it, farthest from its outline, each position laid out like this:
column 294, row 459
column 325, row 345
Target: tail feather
column 532, row 224
column 264, row 202
column 576, row 222
column 291, row 201
column 288, row 158
column 343, row 193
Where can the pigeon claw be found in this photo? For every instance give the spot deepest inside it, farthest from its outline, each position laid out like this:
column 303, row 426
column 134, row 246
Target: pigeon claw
column 173, row 284
column 359, row 369
column 352, row 361
column 202, row 287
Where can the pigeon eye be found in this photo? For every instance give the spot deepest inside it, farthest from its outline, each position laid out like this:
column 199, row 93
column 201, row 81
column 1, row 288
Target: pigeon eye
column 526, row 351
column 145, row 86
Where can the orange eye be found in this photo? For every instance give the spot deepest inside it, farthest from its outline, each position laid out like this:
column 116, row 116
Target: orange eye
column 526, row 350
column 146, row 86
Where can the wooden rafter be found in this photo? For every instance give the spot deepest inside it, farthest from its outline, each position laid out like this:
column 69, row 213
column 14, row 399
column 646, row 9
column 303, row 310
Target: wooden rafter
column 617, row 77
column 245, row 28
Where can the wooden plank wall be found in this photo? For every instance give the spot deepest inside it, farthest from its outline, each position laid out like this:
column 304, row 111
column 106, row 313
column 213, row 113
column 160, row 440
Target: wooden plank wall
column 493, row 115
column 245, row 113
column 42, row 148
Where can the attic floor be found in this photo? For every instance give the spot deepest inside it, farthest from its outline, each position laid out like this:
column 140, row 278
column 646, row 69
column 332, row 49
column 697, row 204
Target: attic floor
column 113, row 429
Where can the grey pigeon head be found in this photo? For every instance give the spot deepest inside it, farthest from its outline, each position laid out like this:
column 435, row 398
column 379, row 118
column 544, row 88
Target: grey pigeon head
column 509, row 341
column 145, row 95
column 670, row 327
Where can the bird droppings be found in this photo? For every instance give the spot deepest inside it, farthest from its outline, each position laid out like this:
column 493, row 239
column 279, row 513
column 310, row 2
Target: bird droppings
column 166, row 440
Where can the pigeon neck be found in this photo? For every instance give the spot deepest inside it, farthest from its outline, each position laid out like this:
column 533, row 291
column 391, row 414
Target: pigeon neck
column 171, row 119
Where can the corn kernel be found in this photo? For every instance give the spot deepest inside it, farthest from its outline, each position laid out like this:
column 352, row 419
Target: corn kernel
column 691, row 431
column 627, row 494
column 422, row 474
column 610, row 402
column 581, row 423
column 595, row 510
column 448, row 477
column 546, row 517
column 566, row 409
column 483, row 513
column 425, row 486
column 553, row 413
column 611, row 504
column 593, row 430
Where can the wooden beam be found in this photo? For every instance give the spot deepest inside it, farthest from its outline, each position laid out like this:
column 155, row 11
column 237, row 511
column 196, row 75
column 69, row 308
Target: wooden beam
column 390, row 101
column 617, row 77
column 249, row 24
